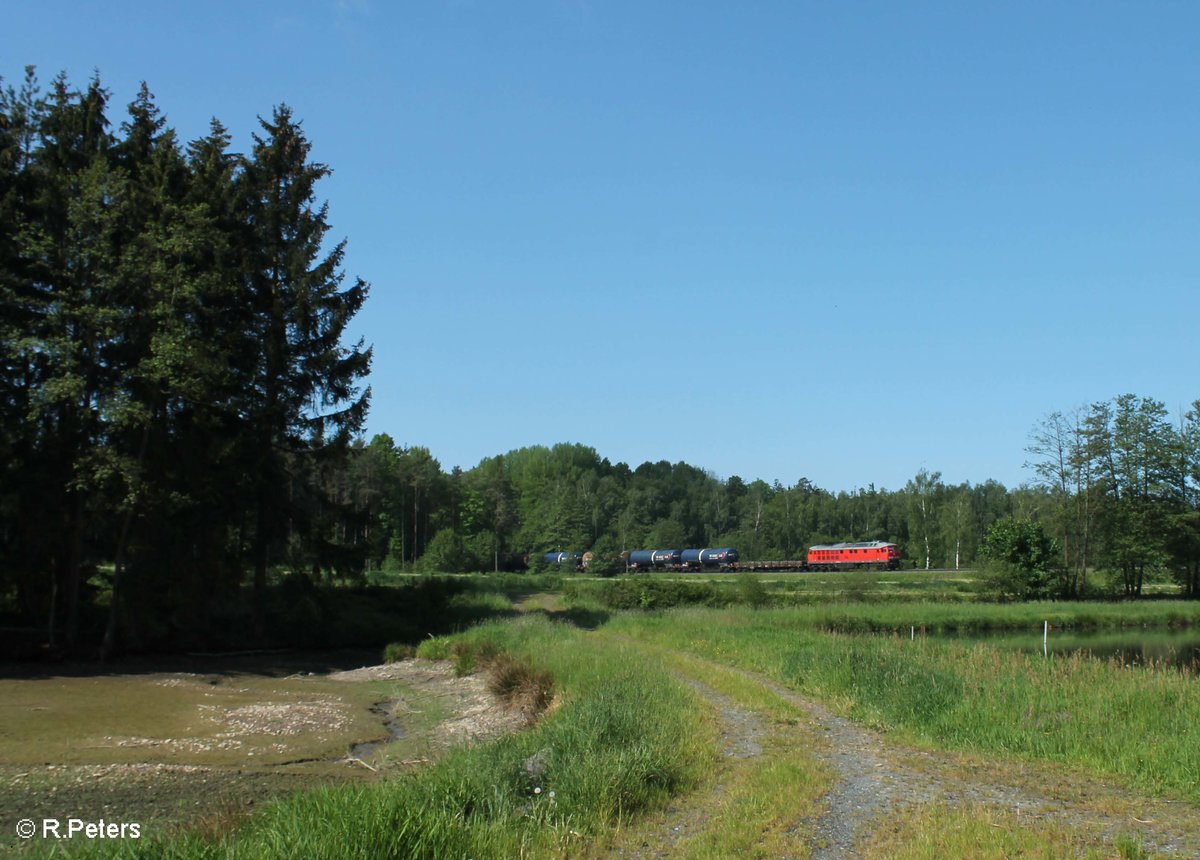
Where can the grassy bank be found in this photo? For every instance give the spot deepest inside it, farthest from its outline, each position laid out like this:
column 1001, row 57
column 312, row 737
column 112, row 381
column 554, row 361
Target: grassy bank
column 891, row 616
column 664, row 590
column 620, row 738
column 1139, row 726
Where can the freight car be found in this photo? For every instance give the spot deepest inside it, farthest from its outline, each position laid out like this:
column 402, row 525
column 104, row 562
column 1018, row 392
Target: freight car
column 653, row 559
column 698, row 559
column 723, row 558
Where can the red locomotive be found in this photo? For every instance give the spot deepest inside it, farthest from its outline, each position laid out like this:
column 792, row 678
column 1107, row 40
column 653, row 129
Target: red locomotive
column 851, row 556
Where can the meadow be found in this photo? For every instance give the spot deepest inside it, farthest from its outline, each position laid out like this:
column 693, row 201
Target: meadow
column 624, row 733
column 1141, row 727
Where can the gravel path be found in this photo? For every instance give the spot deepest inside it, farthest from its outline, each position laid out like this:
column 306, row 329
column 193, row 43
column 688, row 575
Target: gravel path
column 875, row 776
column 740, row 737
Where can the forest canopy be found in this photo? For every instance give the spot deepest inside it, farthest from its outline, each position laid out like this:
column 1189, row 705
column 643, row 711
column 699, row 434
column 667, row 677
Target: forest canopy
column 173, row 374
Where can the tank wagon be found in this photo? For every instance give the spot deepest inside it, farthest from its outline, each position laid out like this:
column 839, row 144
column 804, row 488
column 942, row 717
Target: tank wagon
column 653, row 559
column 698, row 559
column 576, row 560
column 723, row 558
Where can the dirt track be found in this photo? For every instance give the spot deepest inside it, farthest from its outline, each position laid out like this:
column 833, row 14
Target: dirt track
column 875, row 776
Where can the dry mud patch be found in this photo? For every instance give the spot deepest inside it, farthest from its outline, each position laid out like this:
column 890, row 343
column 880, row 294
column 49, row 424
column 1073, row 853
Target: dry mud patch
column 174, row 748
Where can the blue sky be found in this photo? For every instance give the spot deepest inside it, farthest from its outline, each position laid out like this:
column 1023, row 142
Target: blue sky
column 841, row 241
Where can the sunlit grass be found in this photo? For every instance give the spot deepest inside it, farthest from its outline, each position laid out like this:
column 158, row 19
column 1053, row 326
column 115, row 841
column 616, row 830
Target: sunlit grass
column 983, row 833
column 621, row 738
column 765, row 803
column 1141, row 726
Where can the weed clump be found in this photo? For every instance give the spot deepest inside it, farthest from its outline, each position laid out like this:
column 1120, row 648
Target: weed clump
column 397, row 651
column 521, row 686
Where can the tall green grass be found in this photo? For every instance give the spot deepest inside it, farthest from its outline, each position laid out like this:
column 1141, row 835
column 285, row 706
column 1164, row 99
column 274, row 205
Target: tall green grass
column 621, row 738
column 664, row 590
column 1141, row 726
column 886, row 593
column 902, row 616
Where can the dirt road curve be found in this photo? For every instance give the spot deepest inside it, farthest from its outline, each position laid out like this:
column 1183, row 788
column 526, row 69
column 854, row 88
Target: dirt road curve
column 876, row 777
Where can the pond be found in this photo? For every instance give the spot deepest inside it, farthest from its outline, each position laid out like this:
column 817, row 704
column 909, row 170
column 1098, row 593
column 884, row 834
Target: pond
column 1177, row 648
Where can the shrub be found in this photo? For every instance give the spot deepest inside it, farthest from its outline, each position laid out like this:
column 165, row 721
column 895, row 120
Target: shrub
column 751, row 590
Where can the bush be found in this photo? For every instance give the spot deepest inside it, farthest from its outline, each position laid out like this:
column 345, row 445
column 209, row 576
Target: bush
column 751, row 590
column 1022, row 556
column 448, row 553
column 520, row 685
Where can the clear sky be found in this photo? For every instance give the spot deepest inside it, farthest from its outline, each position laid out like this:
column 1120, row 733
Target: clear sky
column 774, row 239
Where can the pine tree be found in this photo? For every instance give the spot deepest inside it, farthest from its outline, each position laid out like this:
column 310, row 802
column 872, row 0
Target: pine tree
column 67, row 248
column 301, row 394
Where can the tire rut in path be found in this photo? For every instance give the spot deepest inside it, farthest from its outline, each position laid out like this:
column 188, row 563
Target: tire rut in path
column 865, row 788
column 740, row 737
column 875, row 776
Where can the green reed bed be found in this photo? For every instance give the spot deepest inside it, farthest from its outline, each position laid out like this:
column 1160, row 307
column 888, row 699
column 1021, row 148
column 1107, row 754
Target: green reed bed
column 666, row 590
column 1141, row 726
column 983, row 617
column 903, row 617
column 620, row 738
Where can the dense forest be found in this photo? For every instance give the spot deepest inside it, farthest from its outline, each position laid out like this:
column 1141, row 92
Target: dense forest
column 1116, row 489
column 173, row 379
column 181, row 418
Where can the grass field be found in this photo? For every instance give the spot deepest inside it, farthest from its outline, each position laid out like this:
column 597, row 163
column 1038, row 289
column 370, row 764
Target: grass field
column 1139, row 726
column 625, row 743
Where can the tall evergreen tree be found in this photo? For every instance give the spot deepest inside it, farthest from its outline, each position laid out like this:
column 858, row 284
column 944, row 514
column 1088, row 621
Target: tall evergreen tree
column 301, row 392
column 68, row 247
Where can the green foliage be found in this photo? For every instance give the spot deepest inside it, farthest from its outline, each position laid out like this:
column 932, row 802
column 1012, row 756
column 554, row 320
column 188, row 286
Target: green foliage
column 751, row 590
column 1140, row 727
column 398, row 651
column 1124, row 478
column 606, row 558
column 626, row 738
column 174, row 389
column 449, row 553
column 1022, row 556
column 634, row 593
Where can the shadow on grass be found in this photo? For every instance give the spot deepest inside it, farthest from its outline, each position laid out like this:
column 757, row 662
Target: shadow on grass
column 585, row 617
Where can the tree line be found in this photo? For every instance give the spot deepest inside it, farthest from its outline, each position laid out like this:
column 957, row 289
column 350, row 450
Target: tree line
column 173, row 381
column 1123, row 485
column 1116, row 490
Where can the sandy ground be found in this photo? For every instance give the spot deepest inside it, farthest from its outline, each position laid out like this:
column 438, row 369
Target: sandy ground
column 245, row 741
column 477, row 714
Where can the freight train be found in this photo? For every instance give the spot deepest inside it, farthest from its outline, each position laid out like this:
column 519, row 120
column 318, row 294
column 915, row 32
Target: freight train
column 655, row 559
column 856, row 555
